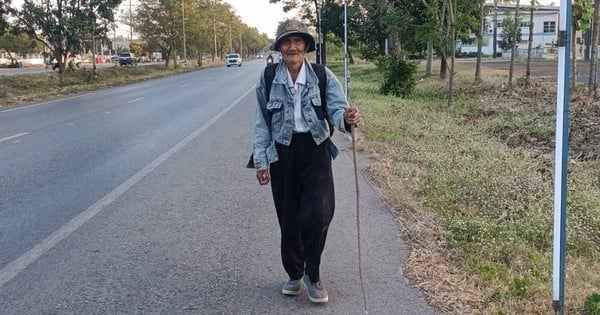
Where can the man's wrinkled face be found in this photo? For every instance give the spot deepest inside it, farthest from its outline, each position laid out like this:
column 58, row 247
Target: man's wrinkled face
column 293, row 49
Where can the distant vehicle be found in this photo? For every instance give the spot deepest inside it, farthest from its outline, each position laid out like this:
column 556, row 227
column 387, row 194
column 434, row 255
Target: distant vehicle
column 127, row 59
column 233, row 60
column 270, row 59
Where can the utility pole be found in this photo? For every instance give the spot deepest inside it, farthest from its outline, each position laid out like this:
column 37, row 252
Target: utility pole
column 184, row 45
column 130, row 24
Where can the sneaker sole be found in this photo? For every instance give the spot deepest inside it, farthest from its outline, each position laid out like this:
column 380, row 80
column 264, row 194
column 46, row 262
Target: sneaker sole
column 291, row 293
column 315, row 300
column 318, row 301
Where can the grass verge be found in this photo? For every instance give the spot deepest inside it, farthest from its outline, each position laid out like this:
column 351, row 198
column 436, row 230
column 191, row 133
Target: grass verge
column 473, row 184
column 16, row 90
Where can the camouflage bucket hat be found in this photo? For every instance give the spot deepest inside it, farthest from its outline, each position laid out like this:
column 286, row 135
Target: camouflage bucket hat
column 293, row 27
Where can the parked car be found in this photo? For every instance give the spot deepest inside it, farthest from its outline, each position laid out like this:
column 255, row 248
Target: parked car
column 127, row 59
column 233, row 60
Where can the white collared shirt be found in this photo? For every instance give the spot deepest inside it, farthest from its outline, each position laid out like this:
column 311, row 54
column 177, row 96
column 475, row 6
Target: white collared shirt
column 296, row 90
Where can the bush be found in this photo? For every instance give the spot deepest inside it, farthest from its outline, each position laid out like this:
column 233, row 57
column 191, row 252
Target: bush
column 398, row 76
column 592, row 304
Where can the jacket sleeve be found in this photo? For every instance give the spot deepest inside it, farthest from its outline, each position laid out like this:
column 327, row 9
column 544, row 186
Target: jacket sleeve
column 262, row 133
column 336, row 101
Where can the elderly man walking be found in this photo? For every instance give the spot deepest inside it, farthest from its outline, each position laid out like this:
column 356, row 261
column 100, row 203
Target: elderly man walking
column 293, row 151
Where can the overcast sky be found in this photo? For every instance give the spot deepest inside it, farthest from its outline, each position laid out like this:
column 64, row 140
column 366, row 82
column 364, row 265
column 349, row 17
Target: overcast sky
column 261, row 14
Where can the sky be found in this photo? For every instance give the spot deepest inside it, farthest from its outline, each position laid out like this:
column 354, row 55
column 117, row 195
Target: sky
column 261, row 14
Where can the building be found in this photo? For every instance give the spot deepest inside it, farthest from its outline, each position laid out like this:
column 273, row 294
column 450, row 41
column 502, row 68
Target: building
column 545, row 30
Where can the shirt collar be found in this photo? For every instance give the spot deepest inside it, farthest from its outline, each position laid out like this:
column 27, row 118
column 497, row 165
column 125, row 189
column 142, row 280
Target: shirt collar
column 301, row 79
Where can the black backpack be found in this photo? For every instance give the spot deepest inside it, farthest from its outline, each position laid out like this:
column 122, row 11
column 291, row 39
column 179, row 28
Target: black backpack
column 269, row 75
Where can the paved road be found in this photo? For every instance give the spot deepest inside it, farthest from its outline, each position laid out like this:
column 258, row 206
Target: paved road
column 135, row 200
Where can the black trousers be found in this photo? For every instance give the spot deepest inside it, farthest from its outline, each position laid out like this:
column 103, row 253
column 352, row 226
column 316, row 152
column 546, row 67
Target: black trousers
column 304, row 196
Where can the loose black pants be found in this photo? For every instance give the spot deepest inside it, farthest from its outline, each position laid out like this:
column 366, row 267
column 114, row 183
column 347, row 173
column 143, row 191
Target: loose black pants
column 304, row 196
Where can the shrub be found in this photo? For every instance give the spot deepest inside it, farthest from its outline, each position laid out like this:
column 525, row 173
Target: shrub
column 398, row 76
column 592, row 304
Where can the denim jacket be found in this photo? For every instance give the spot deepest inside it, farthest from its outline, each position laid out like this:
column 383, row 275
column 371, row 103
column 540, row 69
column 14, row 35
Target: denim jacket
column 281, row 109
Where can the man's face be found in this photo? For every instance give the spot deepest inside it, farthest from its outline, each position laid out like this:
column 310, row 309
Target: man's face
column 293, row 48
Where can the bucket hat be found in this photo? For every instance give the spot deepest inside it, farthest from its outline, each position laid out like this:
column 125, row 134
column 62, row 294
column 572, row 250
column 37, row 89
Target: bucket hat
column 293, row 27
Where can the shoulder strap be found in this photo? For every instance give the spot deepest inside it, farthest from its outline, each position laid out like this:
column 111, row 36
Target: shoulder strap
column 320, row 72
column 269, row 76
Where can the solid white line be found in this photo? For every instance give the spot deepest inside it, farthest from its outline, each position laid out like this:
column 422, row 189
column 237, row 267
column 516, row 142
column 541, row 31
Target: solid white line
column 135, row 100
column 185, row 85
column 18, row 265
column 14, row 136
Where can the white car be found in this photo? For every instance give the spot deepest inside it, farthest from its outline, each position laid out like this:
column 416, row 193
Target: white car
column 233, row 60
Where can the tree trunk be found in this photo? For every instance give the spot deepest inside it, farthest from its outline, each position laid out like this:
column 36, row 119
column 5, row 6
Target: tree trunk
column 573, row 77
column 529, row 46
column 495, row 27
column 451, row 20
column 443, row 66
column 480, row 40
column 593, row 84
column 429, row 59
column 513, row 50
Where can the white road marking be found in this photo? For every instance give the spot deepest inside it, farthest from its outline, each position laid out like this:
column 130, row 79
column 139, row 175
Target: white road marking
column 16, row 266
column 135, row 100
column 14, row 136
column 185, row 85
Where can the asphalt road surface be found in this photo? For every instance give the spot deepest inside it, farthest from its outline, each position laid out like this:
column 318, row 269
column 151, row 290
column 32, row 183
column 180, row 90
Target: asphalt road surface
column 135, row 200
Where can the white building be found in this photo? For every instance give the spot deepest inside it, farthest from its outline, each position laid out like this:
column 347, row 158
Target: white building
column 545, row 30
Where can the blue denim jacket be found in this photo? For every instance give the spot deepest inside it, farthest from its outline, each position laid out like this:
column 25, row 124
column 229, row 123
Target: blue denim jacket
column 281, row 108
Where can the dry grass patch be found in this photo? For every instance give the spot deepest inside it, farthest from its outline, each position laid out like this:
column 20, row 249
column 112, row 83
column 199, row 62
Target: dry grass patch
column 473, row 187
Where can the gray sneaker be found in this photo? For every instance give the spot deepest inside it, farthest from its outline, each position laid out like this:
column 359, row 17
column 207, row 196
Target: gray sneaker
column 292, row 287
column 316, row 291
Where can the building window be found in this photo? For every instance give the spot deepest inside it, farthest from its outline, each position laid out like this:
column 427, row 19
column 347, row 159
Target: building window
column 500, row 24
column 550, row 27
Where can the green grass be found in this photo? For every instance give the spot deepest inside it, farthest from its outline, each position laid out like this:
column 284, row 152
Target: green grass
column 488, row 182
column 20, row 89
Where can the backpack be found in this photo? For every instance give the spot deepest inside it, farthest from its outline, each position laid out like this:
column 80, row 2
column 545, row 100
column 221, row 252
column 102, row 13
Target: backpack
column 319, row 69
column 269, row 75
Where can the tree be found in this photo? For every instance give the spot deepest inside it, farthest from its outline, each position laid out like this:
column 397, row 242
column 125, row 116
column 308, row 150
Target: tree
column 582, row 19
column 530, row 43
column 17, row 44
column 592, row 83
column 158, row 23
column 513, row 49
column 64, row 26
column 5, row 11
column 508, row 39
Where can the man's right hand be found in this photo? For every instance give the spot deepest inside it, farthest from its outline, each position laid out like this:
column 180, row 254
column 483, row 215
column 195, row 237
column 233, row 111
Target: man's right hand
column 263, row 177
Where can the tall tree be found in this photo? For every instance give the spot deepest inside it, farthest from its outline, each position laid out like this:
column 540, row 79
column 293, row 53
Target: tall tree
column 64, row 26
column 158, row 22
column 582, row 20
column 5, row 11
column 513, row 49
column 482, row 12
column 532, row 6
column 592, row 82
